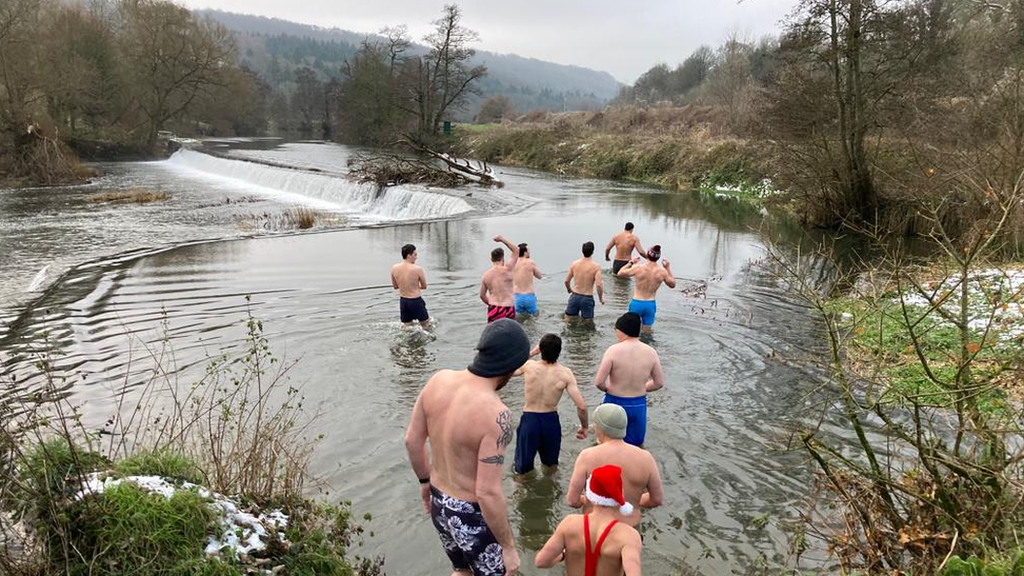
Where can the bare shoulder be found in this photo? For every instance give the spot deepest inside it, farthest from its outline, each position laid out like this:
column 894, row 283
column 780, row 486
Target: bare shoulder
column 566, row 372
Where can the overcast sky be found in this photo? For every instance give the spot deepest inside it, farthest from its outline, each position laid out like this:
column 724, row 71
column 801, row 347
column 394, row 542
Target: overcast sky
column 621, row 37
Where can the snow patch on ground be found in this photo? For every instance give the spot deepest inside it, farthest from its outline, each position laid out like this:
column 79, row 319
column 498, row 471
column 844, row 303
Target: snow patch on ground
column 994, row 301
column 241, row 532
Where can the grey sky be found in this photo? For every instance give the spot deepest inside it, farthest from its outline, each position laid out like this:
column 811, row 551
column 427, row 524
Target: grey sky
column 621, row 37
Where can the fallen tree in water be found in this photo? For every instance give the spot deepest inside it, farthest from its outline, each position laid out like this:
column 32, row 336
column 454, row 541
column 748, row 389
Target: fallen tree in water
column 39, row 158
column 425, row 166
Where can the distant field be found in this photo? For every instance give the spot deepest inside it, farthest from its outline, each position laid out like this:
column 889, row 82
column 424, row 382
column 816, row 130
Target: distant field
column 477, row 128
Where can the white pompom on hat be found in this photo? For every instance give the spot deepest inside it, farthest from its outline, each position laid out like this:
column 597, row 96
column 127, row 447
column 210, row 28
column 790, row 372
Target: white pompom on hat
column 604, row 488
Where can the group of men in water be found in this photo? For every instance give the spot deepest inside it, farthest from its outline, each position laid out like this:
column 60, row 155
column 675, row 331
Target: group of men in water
column 468, row 427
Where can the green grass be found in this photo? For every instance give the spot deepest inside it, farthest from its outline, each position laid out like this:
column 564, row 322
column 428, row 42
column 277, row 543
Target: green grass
column 1011, row 564
column 166, row 464
column 477, row 128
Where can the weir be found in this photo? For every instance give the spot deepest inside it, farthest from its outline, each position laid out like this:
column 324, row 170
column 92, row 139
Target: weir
column 320, row 191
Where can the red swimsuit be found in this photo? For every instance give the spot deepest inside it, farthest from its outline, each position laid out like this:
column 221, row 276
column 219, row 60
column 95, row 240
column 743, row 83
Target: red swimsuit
column 590, row 558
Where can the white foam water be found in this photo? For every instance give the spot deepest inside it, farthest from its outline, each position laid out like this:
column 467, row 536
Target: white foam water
column 320, row 191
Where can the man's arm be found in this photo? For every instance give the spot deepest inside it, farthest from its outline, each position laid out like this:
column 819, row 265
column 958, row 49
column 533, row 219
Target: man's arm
column 416, row 447
column 423, row 279
column 394, row 281
column 603, row 371
column 657, row 380
column 512, row 248
column 568, row 279
column 536, row 272
column 639, row 249
column 574, row 497
column 655, row 494
column 608, row 249
column 553, row 551
column 628, row 270
column 631, row 555
column 483, row 293
column 491, row 455
column 599, row 284
column 521, row 370
column 670, row 279
column 581, row 405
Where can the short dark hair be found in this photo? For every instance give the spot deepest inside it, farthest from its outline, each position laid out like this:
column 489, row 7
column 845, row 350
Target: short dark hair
column 497, row 255
column 629, row 225
column 407, row 250
column 522, row 249
column 588, row 249
column 550, row 348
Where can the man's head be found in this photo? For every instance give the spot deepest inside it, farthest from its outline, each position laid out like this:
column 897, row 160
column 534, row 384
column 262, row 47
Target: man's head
column 550, row 348
column 588, row 249
column 524, row 252
column 502, row 349
column 497, row 255
column 628, row 326
column 409, row 253
column 654, row 253
column 610, row 421
column 629, row 226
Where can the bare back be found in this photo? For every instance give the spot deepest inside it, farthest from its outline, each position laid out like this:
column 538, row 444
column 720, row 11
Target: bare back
column 408, row 279
column 625, row 242
column 523, row 275
column 610, row 562
column 627, row 367
column 585, row 275
column 458, row 414
column 639, row 472
column 647, row 279
column 545, row 384
column 498, row 283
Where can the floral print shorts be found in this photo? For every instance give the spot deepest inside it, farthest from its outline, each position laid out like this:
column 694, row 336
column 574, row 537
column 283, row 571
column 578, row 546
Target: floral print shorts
column 467, row 540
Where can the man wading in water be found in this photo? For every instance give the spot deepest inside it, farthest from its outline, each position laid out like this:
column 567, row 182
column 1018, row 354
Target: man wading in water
column 649, row 278
column 641, row 481
column 539, row 428
column 596, row 544
column 496, row 285
column 624, row 243
column 583, row 278
column 468, row 429
column 409, row 279
column 522, row 281
column 628, row 371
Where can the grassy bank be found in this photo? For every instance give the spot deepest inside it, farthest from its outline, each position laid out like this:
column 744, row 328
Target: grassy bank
column 590, row 146
column 204, row 478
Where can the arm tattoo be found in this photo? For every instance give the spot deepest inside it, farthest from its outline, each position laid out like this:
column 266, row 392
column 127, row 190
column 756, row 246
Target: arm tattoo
column 498, row 459
column 505, row 423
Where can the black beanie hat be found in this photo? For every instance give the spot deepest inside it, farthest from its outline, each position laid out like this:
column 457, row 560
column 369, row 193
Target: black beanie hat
column 502, row 349
column 629, row 324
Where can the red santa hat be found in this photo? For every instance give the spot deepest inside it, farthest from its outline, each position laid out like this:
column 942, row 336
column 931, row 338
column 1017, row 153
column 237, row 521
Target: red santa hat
column 604, row 488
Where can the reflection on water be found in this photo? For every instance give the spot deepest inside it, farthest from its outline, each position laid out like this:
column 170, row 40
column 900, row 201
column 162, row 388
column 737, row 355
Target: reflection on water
column 325, row 301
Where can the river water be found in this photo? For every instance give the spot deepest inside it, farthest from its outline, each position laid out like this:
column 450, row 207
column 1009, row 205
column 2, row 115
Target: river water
column 731, row 342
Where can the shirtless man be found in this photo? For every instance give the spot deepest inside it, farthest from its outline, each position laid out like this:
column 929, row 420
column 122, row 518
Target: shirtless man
column 539, row 428
column 468, row 428
column 522, row 282
column 409, row 279
column 641, row 480
column 584, row 276
column 596, row 543
column 496, row 285
column 624, row 243
column 629, row 370
column 649, row 278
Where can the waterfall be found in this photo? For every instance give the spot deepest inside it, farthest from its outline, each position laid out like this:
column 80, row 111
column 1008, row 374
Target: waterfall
column 320, row 190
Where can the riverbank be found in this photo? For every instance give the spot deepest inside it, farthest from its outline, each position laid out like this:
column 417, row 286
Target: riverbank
column 677, row 151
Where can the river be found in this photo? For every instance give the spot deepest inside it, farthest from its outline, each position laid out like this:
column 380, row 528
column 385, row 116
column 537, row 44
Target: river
column 733, row 354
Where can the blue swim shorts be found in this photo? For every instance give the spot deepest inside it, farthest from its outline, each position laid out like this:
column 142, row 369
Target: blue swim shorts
column 645, row 309
column 636, row 415
column 526, row 303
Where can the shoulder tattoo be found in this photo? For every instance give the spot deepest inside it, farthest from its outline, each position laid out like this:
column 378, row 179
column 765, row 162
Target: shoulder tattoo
column 504, row 421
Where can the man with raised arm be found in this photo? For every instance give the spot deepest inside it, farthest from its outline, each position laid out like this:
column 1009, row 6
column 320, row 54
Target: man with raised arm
column 583, row 278
column 496, row 285
column 629, row 370
column 410, row 279
column 624, row 243
column 522, row 282
column 596, row 543
column 539, row 428
column 468, row 428
column 641, row 480
column 649, row 278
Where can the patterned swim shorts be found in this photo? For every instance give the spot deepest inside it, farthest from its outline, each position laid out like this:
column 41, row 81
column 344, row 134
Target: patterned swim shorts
column 467, row 540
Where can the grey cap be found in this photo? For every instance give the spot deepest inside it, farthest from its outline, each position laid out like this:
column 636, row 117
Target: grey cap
column 503, row 348
column 611, row 419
